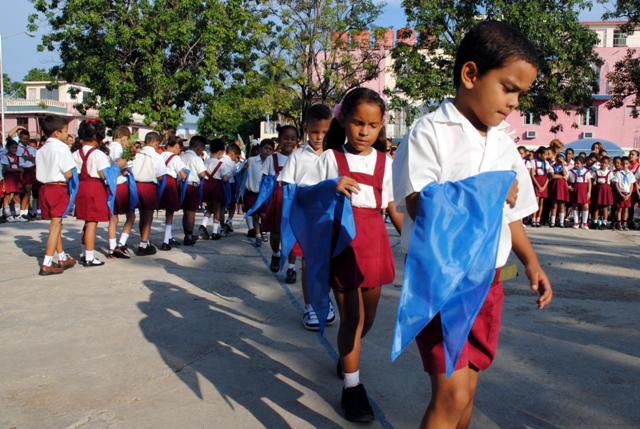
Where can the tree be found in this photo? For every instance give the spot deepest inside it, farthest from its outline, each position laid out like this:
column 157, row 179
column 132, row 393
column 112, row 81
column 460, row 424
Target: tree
column 625, row 77
column 567, row 77
column 155, row 58
column 12, row 89
column 309, row 49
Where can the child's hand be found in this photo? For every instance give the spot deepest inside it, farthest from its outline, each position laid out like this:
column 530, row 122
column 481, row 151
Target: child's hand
column 539, row 283
column 347, row 185
column 512, row 196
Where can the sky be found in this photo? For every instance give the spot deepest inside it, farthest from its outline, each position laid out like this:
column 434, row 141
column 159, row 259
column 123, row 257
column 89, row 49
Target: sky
column 20, row 51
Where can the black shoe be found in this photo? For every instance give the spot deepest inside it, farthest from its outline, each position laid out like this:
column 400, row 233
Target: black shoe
column 339, row 371
column 92, row 263
column 189, row 241
column 146, row 251
column 203, row 233
column 228, row 227
column 174, row 243
column 251, row 233
column 165, row 246
column 121, row 252
column 216, row 236
column 291, row 276
column 275, row 264
column 355, row 404
column 265, row 237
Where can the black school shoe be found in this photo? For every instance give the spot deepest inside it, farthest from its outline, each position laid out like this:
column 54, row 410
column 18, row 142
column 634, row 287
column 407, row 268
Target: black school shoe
column 174, row 243
column 204, row 234
column 216, row 236
column 146, row 251
column 251, row 233
column 121, row 252
column 355, row 404
column 291, row 276
column 275, row 264
column 189, row 241
column 165, row 246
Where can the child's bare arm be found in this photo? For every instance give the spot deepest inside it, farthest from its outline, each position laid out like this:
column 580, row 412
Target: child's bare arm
column 395, row 216
column 411, row 201
column 524, row 250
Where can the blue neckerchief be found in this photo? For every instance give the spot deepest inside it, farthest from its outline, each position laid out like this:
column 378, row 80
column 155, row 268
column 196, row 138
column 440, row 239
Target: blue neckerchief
column 133, row 191
column 558, row 168
column 72, row 185
column 451, row 260
column 160, row 187
column 312, row 215
column 182, row 185
column 111, row 175
column 226, row 188
column 267, row 186
column 625, row 178
column 580, row 171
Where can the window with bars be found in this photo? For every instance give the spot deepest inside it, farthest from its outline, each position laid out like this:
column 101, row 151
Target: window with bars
column 529, row 119
column 619, row 38
column 49, row 94
column 589, row 117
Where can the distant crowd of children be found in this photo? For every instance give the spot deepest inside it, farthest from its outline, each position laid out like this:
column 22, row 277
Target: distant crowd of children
column 585, row 191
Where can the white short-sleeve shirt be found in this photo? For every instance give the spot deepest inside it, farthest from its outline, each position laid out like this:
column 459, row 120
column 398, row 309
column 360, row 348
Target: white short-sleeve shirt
column 14, row 161
column 52, row 161
column 26, row 149
column 582, row 176
column 326, row 167
column 299, row 162
column 175, row 165
column 229, row 167
column 195, row 164
column 268, row 169
column 115, row 151
column 444, row 146
column 540, row 168
column 624, row 180
column 96, row 162
column 254, row 173
column 603, row 177
column 220, row 172
column 148, row 165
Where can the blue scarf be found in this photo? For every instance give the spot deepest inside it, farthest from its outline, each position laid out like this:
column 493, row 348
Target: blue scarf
column 133, row 191
column 451, row 260
column 182, row 185
column 267, row 186
column 72, row 185
column 226, row 188
column 161, row 187
column 111, row 175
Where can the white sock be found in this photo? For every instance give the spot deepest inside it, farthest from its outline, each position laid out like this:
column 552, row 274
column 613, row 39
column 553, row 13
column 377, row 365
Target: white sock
column 575, row 217
column 276, row 254
column 167, row 233
column 7, row 211
column 24, row 212
column 48, row 260
column 205, row 221
column 144, row 244
column 39, row 212
column 123, row 238
column 250, row 222
column 88, row 255
column 292, row 266
column 562, row 218
column 112, row 243
column 63, row 256
column 604, row 222
column 216, row 227
column 351, row 379
column 553, row 220
column 585, row 216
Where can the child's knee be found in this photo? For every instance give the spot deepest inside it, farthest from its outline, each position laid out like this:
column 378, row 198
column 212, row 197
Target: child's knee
column 454, row 399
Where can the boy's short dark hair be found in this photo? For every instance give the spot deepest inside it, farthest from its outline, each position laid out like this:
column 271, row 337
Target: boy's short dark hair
column 521, row 148
column 152, row 137
column 593, row 155
column 197, row 141
column 318, row 112
column 581, row 159
column 24, row 133
column 234, row 148
column 267, row 142
column 216, row 145
column 569, row 150
column 51, row 124
column 122, row 131
column 490, row 45
column 624, row 158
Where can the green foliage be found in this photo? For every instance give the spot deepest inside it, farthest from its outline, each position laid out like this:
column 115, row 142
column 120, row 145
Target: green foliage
column 12, row 89
column 567, row 76
column 37, row 75
column 152, row 57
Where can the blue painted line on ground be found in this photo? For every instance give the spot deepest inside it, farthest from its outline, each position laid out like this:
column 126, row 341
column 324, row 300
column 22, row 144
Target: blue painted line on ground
column 377, row 411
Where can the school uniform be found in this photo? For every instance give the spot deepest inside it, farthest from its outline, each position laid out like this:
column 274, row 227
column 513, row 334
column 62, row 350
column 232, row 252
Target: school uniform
column 29, row 174
column 91, row 200
column 625, row 181
column 121, row 203
column 580, row 181
column 272, row 166
column 444, row 146
column 148, row 165
column 559, row 187
column 213, row 192
column 254, row 176
column 231, row 169
column 171, row 197
column 12, row 179
column 541, row 171
column 367, row 262
column 602, row 183
column 196, row 166
column 52, row 161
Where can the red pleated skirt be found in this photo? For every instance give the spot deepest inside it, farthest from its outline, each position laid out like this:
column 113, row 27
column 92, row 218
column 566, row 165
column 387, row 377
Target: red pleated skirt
column 273, row 212
column 91, row 201
column 248, row 200
column 368, row 261
column 53, row 200
column 541, row 179
column 29, row 176
column 579, row 193
column 12, row 183
column 147, row 195
column 213, row 192
column 480, row 348
column 121, row 205
column 603, row 194
column 171, row 196
column 192, row 198
column 560, row 190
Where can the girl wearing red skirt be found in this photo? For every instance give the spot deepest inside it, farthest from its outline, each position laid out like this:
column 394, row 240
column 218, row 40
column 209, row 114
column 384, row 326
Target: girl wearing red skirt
column 91, row 201
column 625, row 182
column 580, row 180
column 12, row 168
column 170, row 201
column 357, row 274
column 559, row 191
column 213, row 193
column 540, row 173
column 603, row 192
column 287, row 140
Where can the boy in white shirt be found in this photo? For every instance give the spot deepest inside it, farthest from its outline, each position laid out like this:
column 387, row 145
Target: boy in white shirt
column 197, row 170
column 254, row 166
column 53, row 166
column 233, row 164
column 465, row 136
column 624, row 181
column 213, row 193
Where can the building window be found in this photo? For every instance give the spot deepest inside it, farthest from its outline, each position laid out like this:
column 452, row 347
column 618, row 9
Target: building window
column 529, row 120
column 49, row 94
column 85, row 96
column 589, row 117
column 32, row 93
column 22, row 122
column 619, row 38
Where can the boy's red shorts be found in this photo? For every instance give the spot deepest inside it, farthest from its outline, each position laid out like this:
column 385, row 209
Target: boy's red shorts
column 53, row 200
column 480, row 348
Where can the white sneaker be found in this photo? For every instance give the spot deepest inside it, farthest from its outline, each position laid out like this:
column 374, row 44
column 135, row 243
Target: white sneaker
column 331, row 315
column 21, row 218
column 310, row 319
column 11, row 219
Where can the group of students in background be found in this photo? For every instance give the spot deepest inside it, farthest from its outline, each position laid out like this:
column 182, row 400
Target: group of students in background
column 594, row 190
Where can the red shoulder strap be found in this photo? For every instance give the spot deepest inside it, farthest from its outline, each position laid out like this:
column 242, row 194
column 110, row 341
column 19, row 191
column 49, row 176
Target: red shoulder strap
column 215, row 170
column 341, row 160
column 276, row 164
column 84, row 157
column 166, row 163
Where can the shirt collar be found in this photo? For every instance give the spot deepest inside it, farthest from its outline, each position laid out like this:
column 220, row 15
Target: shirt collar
column 149, row 151
column 449, row 113
column 55, row 140
column 307, row 148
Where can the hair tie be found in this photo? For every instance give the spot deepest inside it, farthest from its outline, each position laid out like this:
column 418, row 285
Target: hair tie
column 92, row 120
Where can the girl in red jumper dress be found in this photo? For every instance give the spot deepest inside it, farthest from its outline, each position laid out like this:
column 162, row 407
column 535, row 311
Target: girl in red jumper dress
column 603, row 192
column 12, row 168
column 580, row 180
column 540, row 172
column 559, row 191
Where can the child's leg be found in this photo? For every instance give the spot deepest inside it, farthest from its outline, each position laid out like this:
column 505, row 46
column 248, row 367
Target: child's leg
column 576, row 212
column 112, row 232
column 188, row 220
column 370, row 299
column 554, row 211
column 274, row 241
column 126, row 228
column 168, row 227
column 585, row 213
column 146, row 219
column 541, row 207
column 605, row 214
column 218, row 215
column 256, row 223
column 89, row 237
column 54, row 242
column 625, row 215
column 451, row 403
column 562, row 213
column 59, row 247
column 351, row 311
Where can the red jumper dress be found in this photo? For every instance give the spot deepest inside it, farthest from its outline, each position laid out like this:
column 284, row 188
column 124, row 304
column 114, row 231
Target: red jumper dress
column 213, row 193
column 367, row 262
column 273, row 213
column 171, row 197
column 580, row 188
column 604, row 195
column 540, row 176
column 91, row 201
column 121, row 205
column 12, row 180
column 559, row 187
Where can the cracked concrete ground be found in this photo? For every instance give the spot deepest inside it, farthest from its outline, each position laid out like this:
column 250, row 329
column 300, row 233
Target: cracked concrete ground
column 207, row 337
